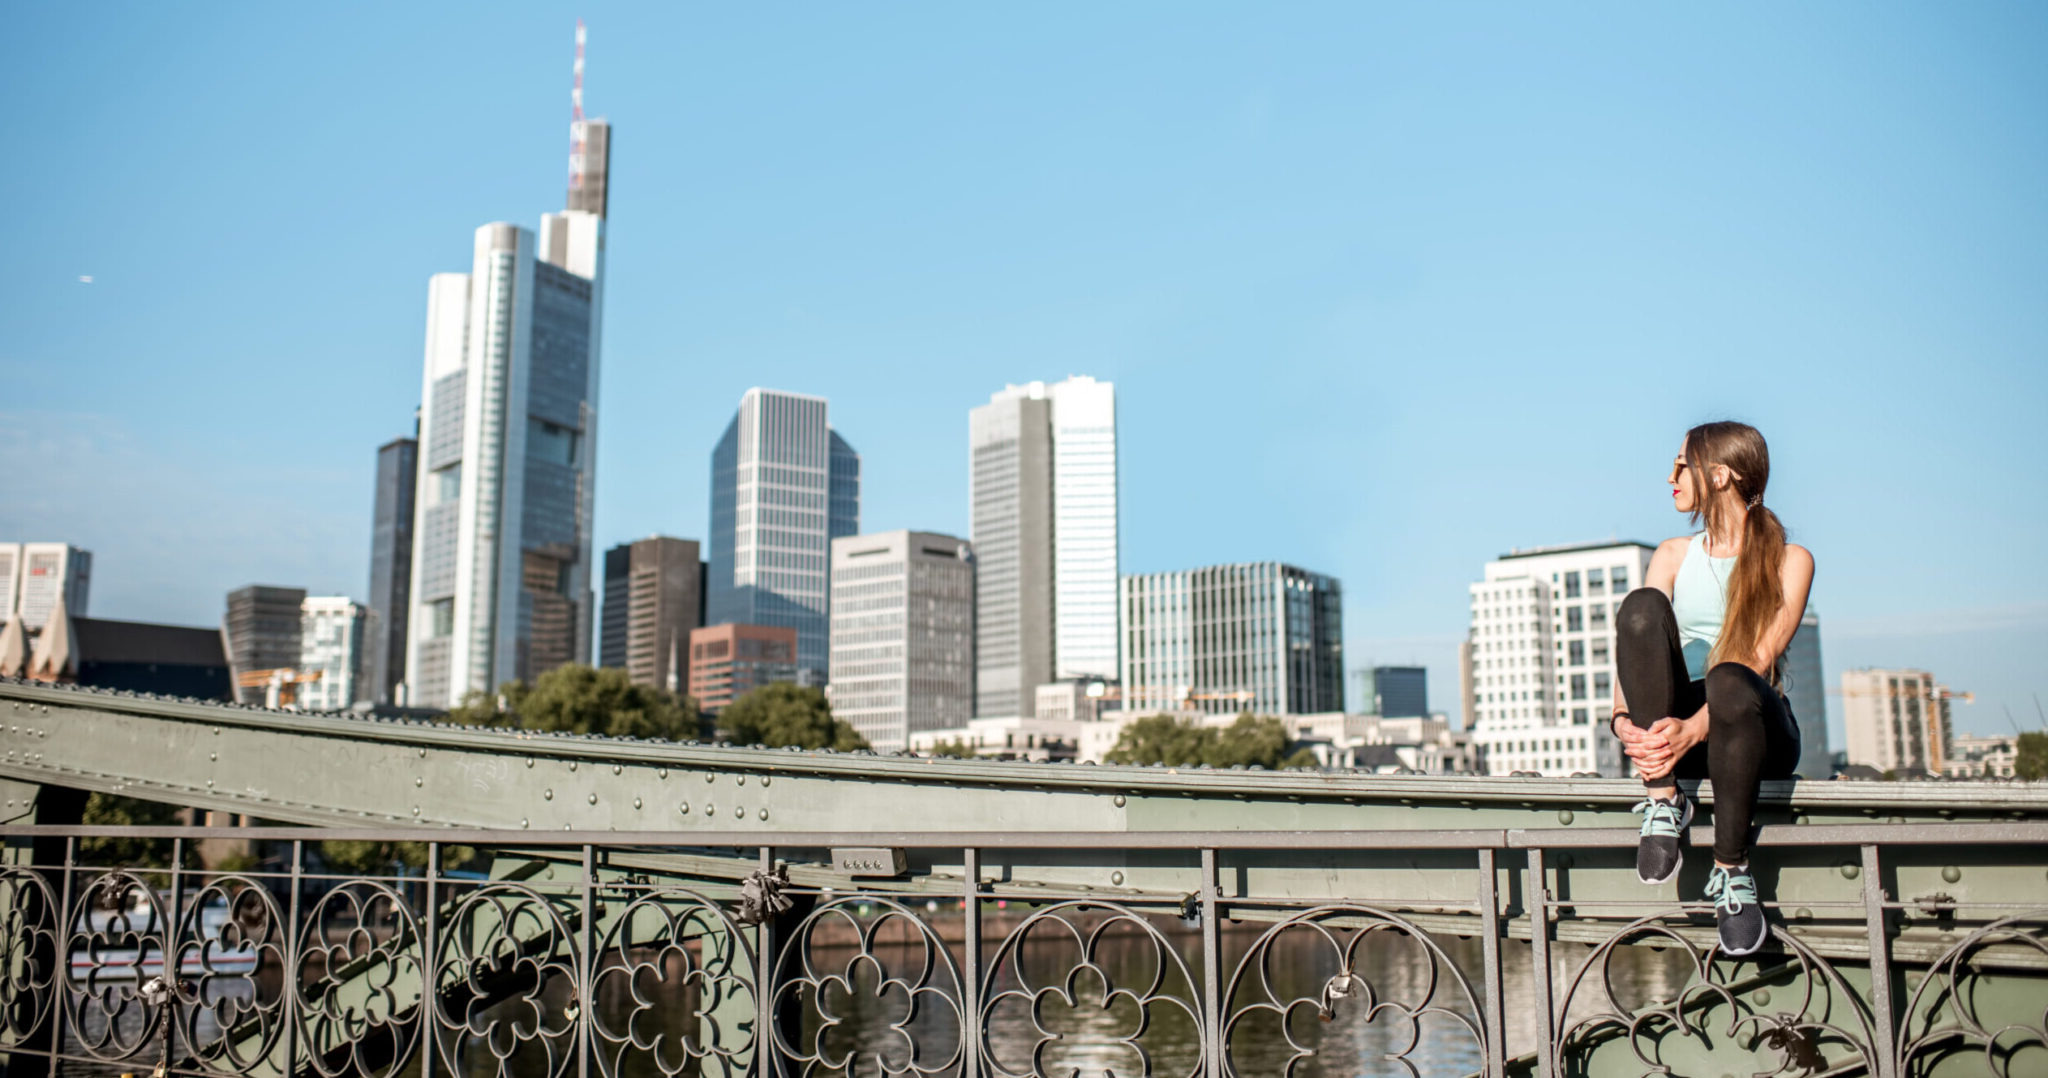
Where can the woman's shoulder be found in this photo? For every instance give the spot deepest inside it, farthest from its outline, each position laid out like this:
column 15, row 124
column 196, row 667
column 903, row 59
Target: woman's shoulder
column 1796, row 554
column 1676, row 545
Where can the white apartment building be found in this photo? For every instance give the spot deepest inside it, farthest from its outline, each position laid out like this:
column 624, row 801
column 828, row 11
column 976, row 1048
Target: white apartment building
column 1042, row 494
column 33, row 576
column 1541, row 661
column 1982, row 756
column 335, row 628
column 501, row 567
column 902, row 634
column 1896, row 719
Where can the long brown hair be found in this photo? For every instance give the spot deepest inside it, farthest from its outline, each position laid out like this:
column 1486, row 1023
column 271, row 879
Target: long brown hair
column 1756, row 589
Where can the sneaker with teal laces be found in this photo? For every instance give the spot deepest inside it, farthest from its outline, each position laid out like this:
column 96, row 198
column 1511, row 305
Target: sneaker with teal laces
column 1739, row 915
column 1664, row 824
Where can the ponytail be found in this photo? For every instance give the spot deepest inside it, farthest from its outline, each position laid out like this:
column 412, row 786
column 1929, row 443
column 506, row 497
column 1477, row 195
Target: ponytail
column 1756, row 590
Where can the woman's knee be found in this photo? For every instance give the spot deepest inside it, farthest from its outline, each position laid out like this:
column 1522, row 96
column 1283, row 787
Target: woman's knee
column 1644, row 612
column 1734, row 691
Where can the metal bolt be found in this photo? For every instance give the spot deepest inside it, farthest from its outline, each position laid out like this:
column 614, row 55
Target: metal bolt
column 636, row 802
column 572, row 765
column 1802, row 913
column 548, row 794
column 1118, row 800
column 683, row 808
column 1564, row 816
column 1850, row 872
column 661, row 772
column 1116, row 879
column 529, row 761
column 710, row 810
column 415, row 810
column 423, row 754
column 709, row 777
column 1762, row 997
column 764, row 780
column 740, row 780
column 764, row 815
column 213, row 756
column 593, row 798
column 522, row 823
column 1951, row 873
column 739, row 812
column 419, row 781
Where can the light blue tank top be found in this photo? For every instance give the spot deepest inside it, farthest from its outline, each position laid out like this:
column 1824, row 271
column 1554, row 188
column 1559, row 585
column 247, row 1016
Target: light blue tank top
column 1700, row 599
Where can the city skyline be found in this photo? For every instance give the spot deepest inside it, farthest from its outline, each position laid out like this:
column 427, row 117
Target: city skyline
column 1807, row 299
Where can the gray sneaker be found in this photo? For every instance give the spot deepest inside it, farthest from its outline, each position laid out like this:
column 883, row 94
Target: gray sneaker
column 1664, row 824
column 1740, row 915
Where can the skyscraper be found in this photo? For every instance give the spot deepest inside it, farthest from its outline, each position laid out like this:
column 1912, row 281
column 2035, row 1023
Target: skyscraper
column 1542, row 656
column 501, row 574
column 784, row 484
column 1262, row 637
column 653, row 599
column 902, row 634
column 34, row 575
column 1806, row 690
column 391, row 567
column 1399, row 692
column 1043, row 504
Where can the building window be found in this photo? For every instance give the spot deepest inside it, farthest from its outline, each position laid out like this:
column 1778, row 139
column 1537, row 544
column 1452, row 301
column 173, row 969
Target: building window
column 1599, row 616
column 1599, row 650
column 1594, row 584
column 443, row 617
column 1579, row 715
column 1578, row 686
column 1577, row 653
column 1603, row 686
column 1571, row 585
column 1619, row 574
column 1575, row 618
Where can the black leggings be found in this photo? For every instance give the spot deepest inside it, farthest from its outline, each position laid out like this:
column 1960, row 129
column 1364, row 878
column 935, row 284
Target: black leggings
column 1751, row 735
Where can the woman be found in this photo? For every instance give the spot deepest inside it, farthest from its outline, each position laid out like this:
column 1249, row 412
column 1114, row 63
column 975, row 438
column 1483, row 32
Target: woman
column 1698, row 649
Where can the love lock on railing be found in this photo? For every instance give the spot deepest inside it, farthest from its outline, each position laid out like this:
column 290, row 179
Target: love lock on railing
column 163, row 994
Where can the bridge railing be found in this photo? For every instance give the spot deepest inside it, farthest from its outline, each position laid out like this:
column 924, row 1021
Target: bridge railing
column 624, row 955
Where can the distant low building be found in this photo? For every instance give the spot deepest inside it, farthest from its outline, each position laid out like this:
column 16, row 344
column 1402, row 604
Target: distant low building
column 653, row 601
column 132, row 656
column 1397, row 691
column 334, row 637
column 1982, row 756
column 729, row 661
column 265, row 628
column 1263, row 637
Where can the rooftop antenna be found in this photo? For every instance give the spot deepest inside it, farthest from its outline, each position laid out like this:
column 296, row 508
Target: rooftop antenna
column 576, row 115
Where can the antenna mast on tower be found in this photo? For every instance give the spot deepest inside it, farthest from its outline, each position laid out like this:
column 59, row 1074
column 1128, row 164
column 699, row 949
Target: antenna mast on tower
column 576, row 127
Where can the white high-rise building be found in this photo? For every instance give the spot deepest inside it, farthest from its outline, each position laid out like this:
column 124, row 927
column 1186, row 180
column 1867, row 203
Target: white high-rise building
column 335, row 629
column 1896, row 719
column 501, row 568
column 1043, row 509
column 1542, row 656
column 1262, row 637
column 902, row 634
column 784, row 484
column 34, row 575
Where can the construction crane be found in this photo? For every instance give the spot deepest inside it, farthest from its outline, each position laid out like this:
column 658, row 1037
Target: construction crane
column 281, row 686
column 1941, row 692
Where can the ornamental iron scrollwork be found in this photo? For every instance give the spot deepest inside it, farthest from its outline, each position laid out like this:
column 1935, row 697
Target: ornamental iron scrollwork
column 1319, row 995
column 1961, row 1007
column 29, row 954
column 668, row 946
column 1787, row 1007
column 864, row 986
column 358, row 981
column 507, row 995
column 1100, row 982
column 117, row 948
column 231, row 963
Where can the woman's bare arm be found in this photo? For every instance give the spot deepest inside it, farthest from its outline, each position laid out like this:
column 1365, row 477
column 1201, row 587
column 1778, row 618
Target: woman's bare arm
column 1797, row 576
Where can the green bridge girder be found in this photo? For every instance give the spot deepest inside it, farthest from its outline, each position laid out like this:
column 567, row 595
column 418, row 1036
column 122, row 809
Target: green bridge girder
column 697, row 815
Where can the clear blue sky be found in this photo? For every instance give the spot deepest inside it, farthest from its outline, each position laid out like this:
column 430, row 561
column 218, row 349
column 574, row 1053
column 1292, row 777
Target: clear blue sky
column 1385, row 291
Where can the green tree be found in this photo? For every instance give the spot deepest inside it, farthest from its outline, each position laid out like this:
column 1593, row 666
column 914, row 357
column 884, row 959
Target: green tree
column 1175, row 742
column 2030, row 760
column 956, row 749
column 578, row 699
column 784, row 714
column 113, row 810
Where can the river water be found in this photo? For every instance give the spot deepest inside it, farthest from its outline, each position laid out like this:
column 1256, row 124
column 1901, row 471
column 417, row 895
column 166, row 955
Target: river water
column 1097, row 996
